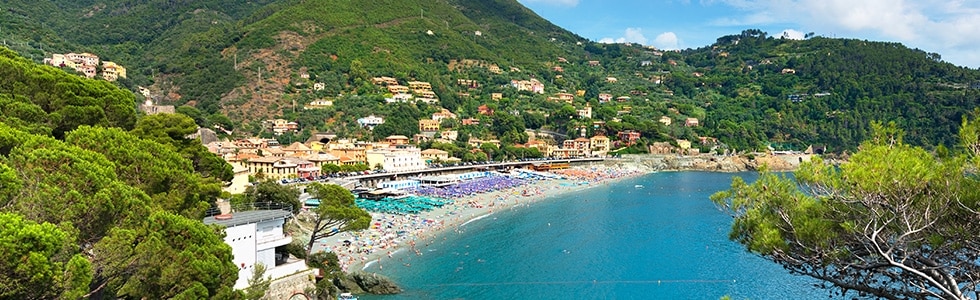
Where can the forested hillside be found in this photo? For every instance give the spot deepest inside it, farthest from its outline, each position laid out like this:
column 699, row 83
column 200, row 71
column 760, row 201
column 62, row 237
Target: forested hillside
column 92, row 195
column 237, row 63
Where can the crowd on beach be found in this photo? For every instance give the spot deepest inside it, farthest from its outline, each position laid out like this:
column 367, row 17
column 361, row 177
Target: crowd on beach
column 471, row 187
column 471, row 199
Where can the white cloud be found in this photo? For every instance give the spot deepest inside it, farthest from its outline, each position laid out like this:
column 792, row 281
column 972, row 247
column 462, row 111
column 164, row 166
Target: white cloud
column 666, row 41
column 568, row 3
column 791, row 34
column 947, row 27
column 631, row 35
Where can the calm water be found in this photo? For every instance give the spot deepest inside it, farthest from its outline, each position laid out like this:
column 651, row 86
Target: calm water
column 664, row 241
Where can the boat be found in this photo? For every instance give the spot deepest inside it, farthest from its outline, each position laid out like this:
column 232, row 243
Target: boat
column 638, row 186
column 346, row 296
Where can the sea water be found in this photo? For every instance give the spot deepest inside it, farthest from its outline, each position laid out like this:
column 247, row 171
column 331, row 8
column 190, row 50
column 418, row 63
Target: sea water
column 657, row 236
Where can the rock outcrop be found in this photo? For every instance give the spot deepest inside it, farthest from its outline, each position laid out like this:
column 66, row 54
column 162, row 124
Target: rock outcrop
column 375, row 284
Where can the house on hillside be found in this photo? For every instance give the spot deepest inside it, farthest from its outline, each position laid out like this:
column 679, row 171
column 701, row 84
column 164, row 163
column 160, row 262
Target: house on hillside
column 629, row 137
column 691, row 122
column 426, row 125
column 370, row 121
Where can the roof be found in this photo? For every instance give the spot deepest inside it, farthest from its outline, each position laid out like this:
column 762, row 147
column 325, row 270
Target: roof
column 249, row 217
column 434, row 151
column 297, row 146
column 397, row 137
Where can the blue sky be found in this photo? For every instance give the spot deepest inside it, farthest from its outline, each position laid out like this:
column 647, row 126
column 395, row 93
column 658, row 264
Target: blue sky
column 950, row 28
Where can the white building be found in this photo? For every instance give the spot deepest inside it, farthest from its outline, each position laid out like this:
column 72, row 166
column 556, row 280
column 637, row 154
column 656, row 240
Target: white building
column 402, row 158
column 399, row 184
column 370, row 121
column 257, row 237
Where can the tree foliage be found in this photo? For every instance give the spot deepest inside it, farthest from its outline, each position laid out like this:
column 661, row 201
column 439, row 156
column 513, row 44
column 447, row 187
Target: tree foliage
column 337, row 212
column 38, row 261
column 167, row 256
column 172, row 130
column 269, row 191
column 891, row 222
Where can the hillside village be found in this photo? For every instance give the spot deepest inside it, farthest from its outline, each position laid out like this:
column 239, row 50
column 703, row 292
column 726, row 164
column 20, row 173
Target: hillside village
column 88, row 65
column 268, row 158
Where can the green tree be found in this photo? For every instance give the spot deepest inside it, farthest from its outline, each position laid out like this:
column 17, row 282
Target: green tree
column 258, row 285
column 337, row 212
column 158, row 170
column 40, row 261
column 889, row 222
column 272, row 192
column 167, row 256
column 173, row 129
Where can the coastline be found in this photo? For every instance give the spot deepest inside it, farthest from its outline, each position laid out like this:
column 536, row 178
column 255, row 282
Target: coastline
column 390, row 234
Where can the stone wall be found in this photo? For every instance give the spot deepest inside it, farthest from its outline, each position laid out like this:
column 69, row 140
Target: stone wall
column 283, row 288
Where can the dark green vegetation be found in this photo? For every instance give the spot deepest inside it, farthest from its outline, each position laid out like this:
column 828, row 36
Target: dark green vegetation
column 894, row 222
column 749, row 90
column 93, row 198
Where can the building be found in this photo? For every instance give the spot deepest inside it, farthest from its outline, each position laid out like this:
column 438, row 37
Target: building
column 665, row 120
column 384, row 80
column 83, row 58
column 398, row 89
column 603, row 98
column 532, row 85
column 398, row 159
column 349, row 154
column 599, row 145
column 280, row 167
column 471, row 121
column 112, row 71
column 397, row 140
column 580, row 145
column 443, row 114
column 280, row 126
column 370, row 121
column 419, row 85
column 151, row 109
column 629, row 137
column 485, row 110
column 257, row 237
column 585, row 113
column 566, row 97
column 496, row 96
column 691, row 122
column 434, row 155
column 319, row 159
column 297, row 149
column 428, row 125
column 318, row 104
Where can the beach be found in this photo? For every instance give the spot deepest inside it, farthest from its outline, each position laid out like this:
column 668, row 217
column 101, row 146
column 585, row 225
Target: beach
column 392, row 233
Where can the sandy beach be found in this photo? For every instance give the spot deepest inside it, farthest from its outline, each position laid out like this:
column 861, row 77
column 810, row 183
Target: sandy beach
column 390, row 234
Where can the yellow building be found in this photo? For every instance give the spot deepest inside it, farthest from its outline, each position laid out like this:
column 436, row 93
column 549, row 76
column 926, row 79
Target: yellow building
column 112, row 71
column 428, row 125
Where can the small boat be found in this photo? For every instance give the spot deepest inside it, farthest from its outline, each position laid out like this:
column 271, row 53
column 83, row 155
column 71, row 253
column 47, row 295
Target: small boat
column 346, row 296
column 638, row 186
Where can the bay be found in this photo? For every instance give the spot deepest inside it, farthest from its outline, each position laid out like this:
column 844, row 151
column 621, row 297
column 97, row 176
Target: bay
column 664, row 240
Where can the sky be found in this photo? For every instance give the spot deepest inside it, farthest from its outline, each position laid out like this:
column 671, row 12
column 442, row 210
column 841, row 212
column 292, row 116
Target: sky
column 948, row 27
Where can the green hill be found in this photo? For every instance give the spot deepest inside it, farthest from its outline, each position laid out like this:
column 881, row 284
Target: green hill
column 260, row 59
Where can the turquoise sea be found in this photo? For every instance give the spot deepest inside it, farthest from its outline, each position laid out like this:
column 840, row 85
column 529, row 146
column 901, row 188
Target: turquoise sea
column 613, row 241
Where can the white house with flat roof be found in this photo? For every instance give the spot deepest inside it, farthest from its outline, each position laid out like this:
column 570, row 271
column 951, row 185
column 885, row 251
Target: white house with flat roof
column 257, row 237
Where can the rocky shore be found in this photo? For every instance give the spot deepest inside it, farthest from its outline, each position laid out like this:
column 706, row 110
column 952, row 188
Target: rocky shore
column 712, row 163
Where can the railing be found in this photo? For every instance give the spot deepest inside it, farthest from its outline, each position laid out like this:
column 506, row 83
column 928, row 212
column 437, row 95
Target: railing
column 215, row 210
